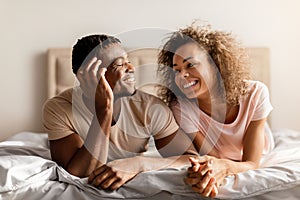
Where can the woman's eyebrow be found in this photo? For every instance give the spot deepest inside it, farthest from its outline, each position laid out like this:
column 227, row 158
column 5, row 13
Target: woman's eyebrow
column 186, row 59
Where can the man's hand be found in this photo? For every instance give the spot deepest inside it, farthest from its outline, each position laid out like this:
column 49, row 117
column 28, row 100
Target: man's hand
column 114, row 174
column 94, row 85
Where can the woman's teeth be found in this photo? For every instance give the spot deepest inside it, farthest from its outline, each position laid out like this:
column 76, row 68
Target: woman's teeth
column 190, row 84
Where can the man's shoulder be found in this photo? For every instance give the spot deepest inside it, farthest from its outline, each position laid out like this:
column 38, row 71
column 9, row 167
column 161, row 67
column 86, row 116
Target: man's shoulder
column 62, row 99
column 142, row 96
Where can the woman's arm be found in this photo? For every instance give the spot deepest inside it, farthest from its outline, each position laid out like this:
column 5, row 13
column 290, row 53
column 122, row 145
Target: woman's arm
column 198, row 140
column 253, row 144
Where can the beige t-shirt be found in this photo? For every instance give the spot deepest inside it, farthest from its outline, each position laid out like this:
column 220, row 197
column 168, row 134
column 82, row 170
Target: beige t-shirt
column 141, row 116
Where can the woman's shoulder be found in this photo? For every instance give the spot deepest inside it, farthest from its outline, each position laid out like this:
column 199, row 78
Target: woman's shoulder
column 254, row 85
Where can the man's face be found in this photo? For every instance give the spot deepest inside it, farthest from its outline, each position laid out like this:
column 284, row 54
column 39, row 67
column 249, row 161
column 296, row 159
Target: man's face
column 120, row 72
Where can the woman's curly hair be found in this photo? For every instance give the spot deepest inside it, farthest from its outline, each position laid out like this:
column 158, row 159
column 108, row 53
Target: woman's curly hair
column 225, row 51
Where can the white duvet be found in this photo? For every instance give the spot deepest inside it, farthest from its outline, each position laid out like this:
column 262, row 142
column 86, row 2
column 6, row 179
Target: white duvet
column 26, row 172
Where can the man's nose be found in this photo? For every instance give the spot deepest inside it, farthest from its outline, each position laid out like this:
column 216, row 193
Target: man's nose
column 129, row 67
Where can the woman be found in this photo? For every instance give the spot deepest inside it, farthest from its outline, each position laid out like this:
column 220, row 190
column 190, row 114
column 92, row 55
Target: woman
column 214, row 101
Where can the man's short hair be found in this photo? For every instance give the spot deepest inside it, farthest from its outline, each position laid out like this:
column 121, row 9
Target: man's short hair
column 85, row 48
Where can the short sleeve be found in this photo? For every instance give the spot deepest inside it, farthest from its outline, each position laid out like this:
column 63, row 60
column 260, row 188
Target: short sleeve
column 185, row 116
column 57, row 120
column 163, row 122
column 262, row 104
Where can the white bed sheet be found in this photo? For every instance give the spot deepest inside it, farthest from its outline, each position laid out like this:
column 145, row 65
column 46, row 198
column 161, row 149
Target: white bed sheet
column 26, row 172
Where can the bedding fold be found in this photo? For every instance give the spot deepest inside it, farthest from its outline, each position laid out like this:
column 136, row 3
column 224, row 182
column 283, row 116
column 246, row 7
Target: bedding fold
column 27, row 171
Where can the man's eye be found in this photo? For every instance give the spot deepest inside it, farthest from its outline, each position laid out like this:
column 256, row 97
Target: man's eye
column 116, row 66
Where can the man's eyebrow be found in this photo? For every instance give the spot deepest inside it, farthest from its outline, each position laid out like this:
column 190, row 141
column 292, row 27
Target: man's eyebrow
column 117, row 58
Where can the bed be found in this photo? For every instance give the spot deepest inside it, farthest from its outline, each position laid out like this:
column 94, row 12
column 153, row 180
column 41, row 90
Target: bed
column 27, row 172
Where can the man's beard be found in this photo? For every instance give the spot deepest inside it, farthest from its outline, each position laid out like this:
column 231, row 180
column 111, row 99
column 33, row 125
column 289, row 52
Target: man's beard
column 122, row 89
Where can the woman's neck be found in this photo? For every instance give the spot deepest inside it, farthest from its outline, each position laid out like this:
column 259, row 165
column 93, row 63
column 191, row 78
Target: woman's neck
column 217, row 108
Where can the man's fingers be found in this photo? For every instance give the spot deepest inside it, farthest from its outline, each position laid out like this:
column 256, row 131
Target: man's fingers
column 117, row 184
column 93, row 71
column 109, row 182
column 96, row 172
column 101, row 72
column 101, row 178
column 86, row 67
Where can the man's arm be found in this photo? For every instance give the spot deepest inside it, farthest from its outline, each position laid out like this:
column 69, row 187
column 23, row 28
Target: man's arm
column 81, row 158
column 78, row 157
column 176, row 150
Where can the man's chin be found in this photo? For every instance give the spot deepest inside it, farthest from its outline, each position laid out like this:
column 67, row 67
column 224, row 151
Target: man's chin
column 124, row 93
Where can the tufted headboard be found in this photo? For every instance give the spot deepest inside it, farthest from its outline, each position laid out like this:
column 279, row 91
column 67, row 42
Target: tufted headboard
column 60, row 75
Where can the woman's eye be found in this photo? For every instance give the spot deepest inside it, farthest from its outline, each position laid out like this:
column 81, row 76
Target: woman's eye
column 190, row 65
column 176, row 71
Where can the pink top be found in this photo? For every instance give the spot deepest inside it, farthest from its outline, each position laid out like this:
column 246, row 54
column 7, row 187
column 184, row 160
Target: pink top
column 227, row 137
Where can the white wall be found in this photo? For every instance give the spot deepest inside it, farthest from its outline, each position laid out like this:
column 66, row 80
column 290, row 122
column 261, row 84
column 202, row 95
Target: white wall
column 29, row 27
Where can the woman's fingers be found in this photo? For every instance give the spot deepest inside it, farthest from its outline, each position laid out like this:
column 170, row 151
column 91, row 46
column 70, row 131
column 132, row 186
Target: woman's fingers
column 206, row 168
column 214, row 191
column 208, row 190
column 192, row 181
column 200, row 183
column 195, row 164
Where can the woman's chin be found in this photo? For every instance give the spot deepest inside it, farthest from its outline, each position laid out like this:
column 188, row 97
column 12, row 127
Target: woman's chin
column 190, row 95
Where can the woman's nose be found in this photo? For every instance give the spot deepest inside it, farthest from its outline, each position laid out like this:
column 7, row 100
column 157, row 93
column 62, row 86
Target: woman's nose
column 184, row 74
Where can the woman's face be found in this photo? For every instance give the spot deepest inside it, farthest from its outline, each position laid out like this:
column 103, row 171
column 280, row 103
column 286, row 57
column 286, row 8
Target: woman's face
column 194, row 75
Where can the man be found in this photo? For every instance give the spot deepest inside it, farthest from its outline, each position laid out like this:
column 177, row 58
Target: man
column 102, row 127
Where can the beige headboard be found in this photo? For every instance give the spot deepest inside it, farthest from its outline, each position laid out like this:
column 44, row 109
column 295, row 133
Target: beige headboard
column 60, row 76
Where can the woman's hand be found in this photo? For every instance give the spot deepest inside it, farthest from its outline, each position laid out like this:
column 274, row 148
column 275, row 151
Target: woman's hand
column 114, row 174
column 217, row 167
column 206, row 174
